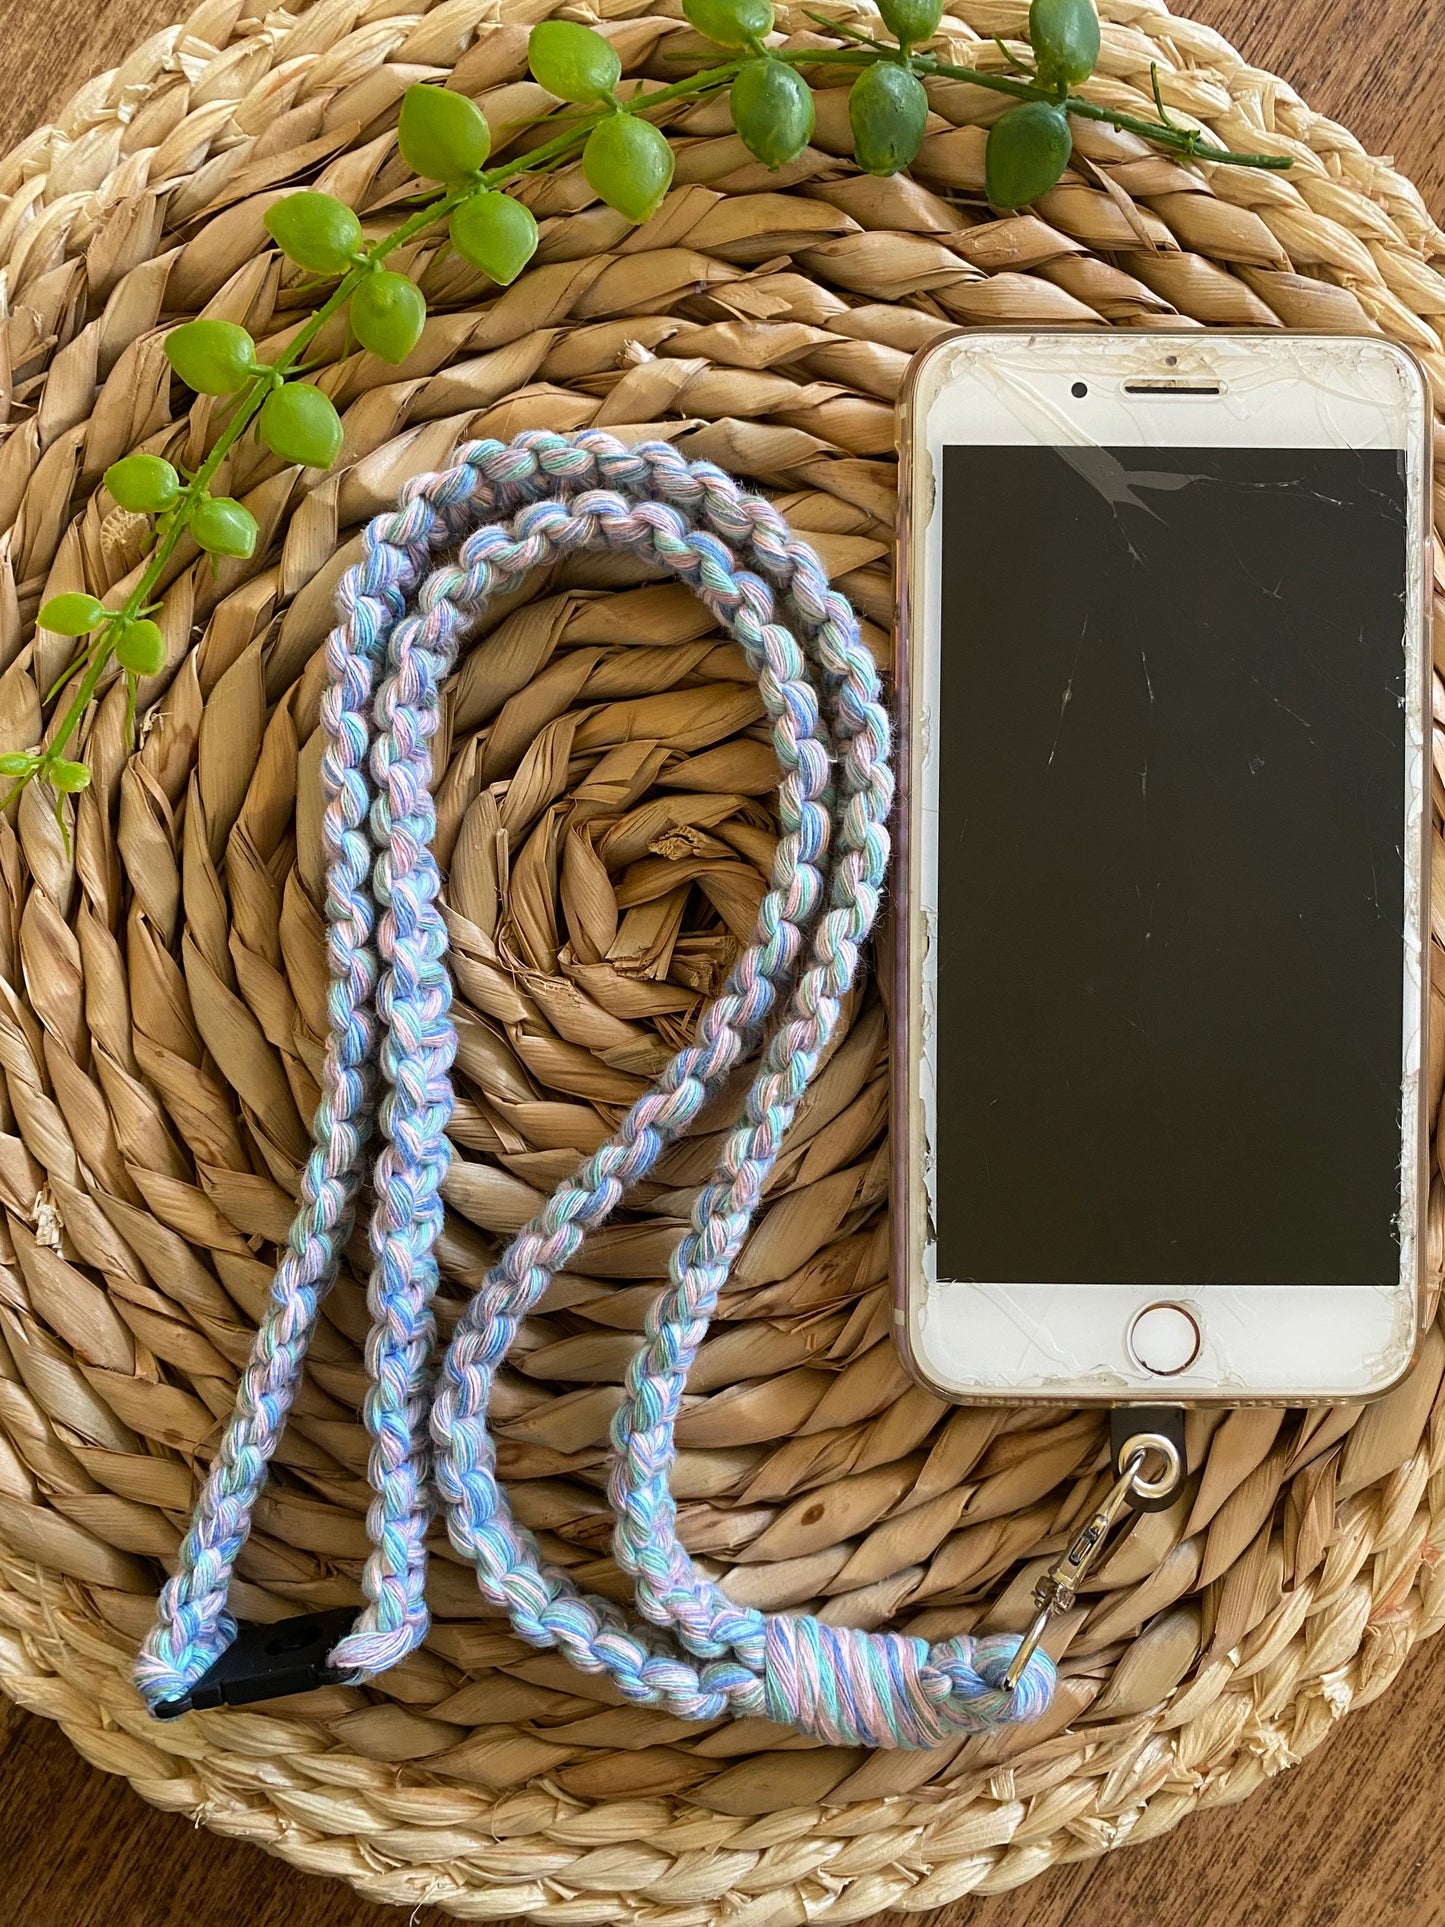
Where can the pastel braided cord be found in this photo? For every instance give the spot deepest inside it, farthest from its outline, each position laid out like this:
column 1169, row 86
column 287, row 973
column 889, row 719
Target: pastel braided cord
column 506, row 510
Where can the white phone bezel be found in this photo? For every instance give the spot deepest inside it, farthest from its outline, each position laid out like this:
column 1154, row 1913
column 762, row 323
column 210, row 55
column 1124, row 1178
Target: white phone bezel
column 973, row 1340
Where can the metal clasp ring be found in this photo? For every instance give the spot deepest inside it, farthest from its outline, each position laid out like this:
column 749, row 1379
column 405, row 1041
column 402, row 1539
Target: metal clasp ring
column 1058, row 1588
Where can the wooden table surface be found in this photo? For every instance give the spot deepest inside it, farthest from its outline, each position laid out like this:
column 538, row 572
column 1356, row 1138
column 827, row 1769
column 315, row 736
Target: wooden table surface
column 1353, row 1830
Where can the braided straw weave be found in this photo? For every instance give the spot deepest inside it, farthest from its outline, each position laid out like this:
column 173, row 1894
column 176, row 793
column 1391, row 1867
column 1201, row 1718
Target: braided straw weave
column 605, row 802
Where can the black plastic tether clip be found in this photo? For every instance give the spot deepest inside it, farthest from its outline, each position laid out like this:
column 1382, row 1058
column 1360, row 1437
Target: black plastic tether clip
column 268, row 1663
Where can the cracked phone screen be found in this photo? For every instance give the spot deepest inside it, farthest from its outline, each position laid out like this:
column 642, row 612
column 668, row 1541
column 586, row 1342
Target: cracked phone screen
column 1171, row 888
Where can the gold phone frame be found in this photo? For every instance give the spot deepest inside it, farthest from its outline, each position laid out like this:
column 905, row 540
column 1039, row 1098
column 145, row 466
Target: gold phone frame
column 908, row 1238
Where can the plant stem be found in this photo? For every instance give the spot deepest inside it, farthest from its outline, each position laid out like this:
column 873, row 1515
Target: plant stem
column 250, row 398
column 248, row 404
column 1163, row 133
column 1184, row 140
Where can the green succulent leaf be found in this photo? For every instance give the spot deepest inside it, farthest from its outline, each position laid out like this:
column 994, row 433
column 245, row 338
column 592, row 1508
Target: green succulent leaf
column 572, row 61
column 888, row 112
column 628, row 162
column 730, row 23
column 299, row 423
column 1027, row 151
column 495, row 233
column 911, row 21
column 144, row 484
column 17, row 762
column 316, row 231
column 388, row 313
column 1064, row 35
column 68, row 777
column 222, row 526
column 213, row 357
column 443, row 136
column 772, row 109
column 140, row 647
column 72, row 614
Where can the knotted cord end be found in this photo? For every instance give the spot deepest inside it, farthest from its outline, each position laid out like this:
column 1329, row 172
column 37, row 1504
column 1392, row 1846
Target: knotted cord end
column 855, row 1688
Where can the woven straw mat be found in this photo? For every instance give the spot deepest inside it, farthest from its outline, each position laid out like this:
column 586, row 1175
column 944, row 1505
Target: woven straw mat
column 604, row 790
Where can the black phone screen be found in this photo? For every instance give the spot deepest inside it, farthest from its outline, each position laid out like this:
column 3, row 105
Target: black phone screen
column 1171, row 890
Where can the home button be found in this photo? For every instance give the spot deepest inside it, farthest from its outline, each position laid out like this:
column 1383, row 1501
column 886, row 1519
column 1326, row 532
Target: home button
column 1164, row 1340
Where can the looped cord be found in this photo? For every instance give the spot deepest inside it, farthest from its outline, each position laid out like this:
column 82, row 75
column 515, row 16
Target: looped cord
column 507, row 510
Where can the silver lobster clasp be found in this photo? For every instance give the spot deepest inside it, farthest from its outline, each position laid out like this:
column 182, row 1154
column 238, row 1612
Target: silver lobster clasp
column 1057, row 1590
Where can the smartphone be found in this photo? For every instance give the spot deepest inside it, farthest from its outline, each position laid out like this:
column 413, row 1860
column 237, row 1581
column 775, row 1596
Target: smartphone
column 1161, row 877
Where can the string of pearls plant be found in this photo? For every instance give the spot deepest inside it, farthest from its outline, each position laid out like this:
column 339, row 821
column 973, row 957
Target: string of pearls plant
column 628, row 162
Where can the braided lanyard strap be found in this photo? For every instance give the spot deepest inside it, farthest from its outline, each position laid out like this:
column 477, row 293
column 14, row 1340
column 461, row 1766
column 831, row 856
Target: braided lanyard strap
column 507, row 510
